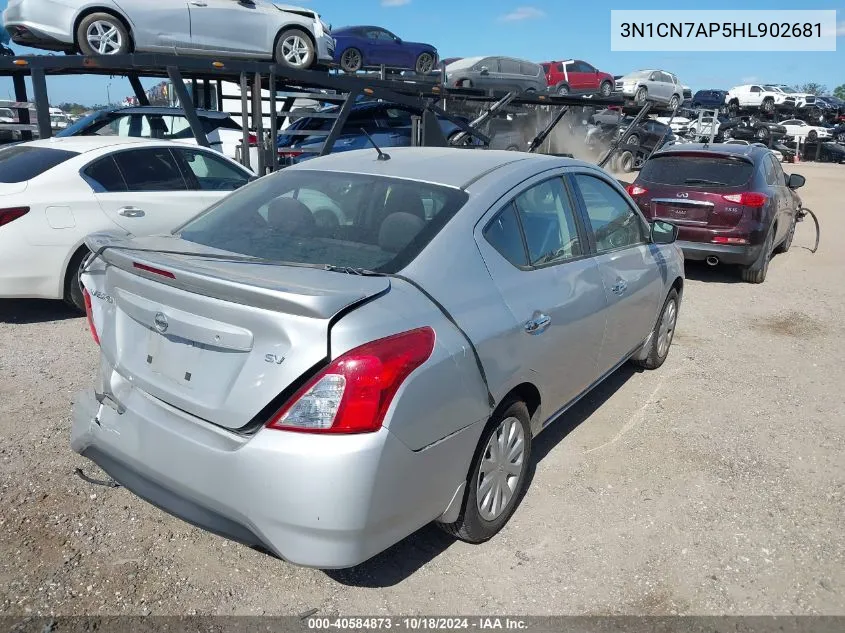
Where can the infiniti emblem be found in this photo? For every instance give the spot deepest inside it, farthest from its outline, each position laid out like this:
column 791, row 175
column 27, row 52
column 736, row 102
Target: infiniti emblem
column 682, row 195
column 160, row 322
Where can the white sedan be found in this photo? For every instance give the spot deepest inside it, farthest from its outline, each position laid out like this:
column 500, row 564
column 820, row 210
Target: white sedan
column 54, row 192
column 796, row 128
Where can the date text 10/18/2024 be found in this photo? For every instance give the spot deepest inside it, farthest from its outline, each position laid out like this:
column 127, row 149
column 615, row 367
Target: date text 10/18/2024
column 417, row 623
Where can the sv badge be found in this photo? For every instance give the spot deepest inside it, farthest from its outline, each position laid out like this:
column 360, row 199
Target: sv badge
column 273, row 358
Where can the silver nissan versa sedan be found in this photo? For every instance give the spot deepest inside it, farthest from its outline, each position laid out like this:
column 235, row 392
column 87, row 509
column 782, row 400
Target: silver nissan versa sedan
column 344, row 351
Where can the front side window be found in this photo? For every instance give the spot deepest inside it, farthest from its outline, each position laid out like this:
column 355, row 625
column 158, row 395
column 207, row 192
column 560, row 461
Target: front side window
column 614, row 222
column 548, row 222
column 150, row 170
column 212, row 173
column 328, row 219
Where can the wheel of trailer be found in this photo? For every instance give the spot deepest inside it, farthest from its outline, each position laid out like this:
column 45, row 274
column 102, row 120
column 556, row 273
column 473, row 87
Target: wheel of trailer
column 295, row 49
column 102, row 34
column 641, row 96
column 762, row 133
column 673, row 102
column 563, row 90
column 498, row 476
column 73, row 286
column 768, row 105
column 351, row 61
column 626, row 162
column 425, row 63
column 812, row 136
column 605, row 89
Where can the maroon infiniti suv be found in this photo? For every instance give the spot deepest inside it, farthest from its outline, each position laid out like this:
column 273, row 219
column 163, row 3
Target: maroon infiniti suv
column 732, row 203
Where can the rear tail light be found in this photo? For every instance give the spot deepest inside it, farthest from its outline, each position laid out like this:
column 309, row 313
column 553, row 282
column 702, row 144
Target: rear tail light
column 154, row 271
column 747, row 198
column 89, row 312
column 253, row 140
column 289, row 154
column 635, row 190
column 7, row 215
column 353, row 393
column 729, row 240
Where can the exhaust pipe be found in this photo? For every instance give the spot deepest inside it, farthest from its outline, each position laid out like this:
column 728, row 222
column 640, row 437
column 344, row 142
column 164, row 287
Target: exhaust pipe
column 712, row 261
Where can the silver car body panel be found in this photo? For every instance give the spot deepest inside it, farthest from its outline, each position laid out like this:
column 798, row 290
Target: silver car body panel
column 336, row 500
column 211, row 27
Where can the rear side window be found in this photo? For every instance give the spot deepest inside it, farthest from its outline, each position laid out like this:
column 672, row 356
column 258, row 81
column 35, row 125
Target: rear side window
column 697, row 170
column 769, row 170
column 510, row 66
column 104, row 176
column 20, row 163
column 504, row 235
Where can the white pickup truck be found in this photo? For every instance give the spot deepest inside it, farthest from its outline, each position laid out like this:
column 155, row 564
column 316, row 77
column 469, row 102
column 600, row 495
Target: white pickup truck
column 759, row 96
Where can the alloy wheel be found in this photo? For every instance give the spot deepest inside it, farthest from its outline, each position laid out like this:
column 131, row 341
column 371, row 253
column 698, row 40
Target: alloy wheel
column 351, row 60
column 104, row 37
column 425, row 63
column 501, row 469
column 667, row 328
column 295, row 50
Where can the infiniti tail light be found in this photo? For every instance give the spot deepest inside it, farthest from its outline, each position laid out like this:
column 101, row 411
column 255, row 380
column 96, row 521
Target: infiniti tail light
column 7, row 215
column 747, row 198
column 635, row 190
column 89, row 312
column 353, row 394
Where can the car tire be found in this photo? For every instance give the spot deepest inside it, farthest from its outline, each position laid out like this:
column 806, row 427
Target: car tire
column 295, row 49
column 662, row 334
column 562, row 90
column 351, row 61
column 673, row 102
column 768, row 105
column 633, row 140
column 812, row 136
column 762, row 133
column 605, row 89
column 840, row 138
column 787, row 241
column 73, row 287
column 756, row 273
column 425, row 63
column 733, row 108
column 480, row 521
column 626, row 162
column 641, row 95
column 95, row 27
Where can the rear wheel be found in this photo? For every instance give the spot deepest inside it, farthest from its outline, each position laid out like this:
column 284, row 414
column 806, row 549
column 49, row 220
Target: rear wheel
column 768, row 105
column 787, row 242
column 425, row 63
column 563, row 90
column 498, row 476
column 73, row 287
column 633, row 140
column 762, row 133
column 626, row 162
column 812, row 136
column 756, row 273
column 351, row 61
column 295, row 50
column 605, row 89
column 102, row 34
column 663, row 333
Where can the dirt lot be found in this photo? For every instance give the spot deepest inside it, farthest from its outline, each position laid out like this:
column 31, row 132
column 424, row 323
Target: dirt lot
column 713, row 485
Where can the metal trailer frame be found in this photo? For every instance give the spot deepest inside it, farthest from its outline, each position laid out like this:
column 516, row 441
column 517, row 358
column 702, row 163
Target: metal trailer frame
column 430, row 97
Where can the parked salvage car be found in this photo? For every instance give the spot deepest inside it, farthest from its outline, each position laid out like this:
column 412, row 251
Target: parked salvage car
column 223, row 133
column 751, row 128
column 657, row 86
column 758, row 96
column 258, row 29
column 362, row 47
column 711, row 99
column 704, row 126
column 396, row 367
column 650, row 133
column 56, row 191
column 796, row 128
column 574, row 76
column 679, row 124
column 733, row 203
column 497, row 75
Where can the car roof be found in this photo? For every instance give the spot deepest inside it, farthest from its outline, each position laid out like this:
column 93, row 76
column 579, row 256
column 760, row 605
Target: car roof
column 84, row 144
column 164, row 111
column 447, row 166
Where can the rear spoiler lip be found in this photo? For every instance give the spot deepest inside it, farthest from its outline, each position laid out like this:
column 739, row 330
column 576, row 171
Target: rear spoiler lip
column 317, row 301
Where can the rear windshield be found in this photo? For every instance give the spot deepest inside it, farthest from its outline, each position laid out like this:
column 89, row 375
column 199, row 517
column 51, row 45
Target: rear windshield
column 716, row 171
column 328, row 218
column 20, row 163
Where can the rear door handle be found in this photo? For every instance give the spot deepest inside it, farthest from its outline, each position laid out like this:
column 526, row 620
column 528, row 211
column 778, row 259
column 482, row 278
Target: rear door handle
column 131, row 212
column 538, row 323
column 620, row 286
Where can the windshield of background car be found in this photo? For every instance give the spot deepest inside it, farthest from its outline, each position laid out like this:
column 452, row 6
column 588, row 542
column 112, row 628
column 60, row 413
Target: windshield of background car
column 6, row 113
column 691, row 170
column 20, row 163
column 328, row 218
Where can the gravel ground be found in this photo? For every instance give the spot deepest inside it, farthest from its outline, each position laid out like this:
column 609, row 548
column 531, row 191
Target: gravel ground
column 711, row 486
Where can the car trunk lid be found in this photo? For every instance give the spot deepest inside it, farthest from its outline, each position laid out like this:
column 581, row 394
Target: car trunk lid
column 217, row 339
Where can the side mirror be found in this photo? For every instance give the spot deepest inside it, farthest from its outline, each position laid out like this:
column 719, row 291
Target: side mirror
column 398, row 40
column 485, row 70
column 663, row 232
column 795, row 181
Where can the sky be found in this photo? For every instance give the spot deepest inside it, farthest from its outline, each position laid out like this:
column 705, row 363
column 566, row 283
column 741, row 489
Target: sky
column 538, row 30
